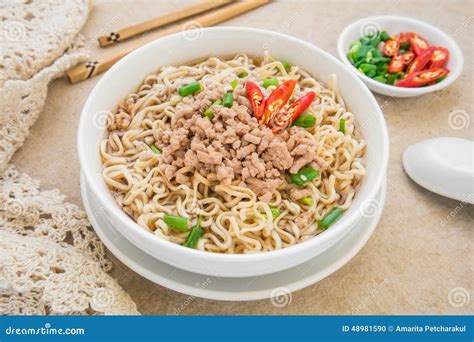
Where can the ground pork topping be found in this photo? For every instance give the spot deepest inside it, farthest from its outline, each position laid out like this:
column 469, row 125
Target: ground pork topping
column 233, row 146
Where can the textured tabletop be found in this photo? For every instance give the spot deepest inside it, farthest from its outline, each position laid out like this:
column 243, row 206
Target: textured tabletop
column 420, row 258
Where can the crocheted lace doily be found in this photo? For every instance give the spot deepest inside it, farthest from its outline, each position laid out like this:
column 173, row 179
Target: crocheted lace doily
column 51, row 262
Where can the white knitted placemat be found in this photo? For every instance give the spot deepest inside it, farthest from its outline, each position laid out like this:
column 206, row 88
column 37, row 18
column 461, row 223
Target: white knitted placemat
column 51, row 262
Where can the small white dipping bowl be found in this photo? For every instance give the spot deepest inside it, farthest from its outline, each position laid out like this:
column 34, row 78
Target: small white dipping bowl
column 395, row 25
column 177, row 49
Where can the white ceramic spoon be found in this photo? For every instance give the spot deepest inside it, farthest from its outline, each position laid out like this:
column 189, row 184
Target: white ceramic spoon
column 444, row 166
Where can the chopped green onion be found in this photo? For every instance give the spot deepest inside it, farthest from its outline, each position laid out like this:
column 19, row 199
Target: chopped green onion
column 304, row 175
column 176, row 222
column 342, row 125
column 193, row 237
column 330, row 218
column 440, row 79
column 349, row 57
column 155, row 149
column 308, row 200
column 242, row 75
column 382, row 69
column 366, row 68
column 275, row 212
column 189, row 89
column 305, row 121
column 208, row 112
column 392, row 78
column 371, row 55
column 372, row 40
column 380, row 79
column 401, row 51
column 384, row 36
column 286, row 66
column 233, row 84
column 228, row 100
column 270, row 82
column 354, row 49
column 362, row 52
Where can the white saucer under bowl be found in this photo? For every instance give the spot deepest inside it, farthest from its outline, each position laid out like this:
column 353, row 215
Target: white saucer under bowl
column 235, row 289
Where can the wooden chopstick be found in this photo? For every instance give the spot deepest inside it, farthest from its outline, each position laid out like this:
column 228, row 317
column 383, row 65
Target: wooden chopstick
column 188, row 11
column 89, row 69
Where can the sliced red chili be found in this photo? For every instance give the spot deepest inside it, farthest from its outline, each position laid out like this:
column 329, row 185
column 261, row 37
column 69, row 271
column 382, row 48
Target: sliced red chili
column 404, row 38
column 391, row 47
column 422, row 77
column 284, row 118
column 418, row 43
column 278, row 99
column 420, row 61
column 407, row 57
column 396, row 65
column 439, row 57
column 256, row 98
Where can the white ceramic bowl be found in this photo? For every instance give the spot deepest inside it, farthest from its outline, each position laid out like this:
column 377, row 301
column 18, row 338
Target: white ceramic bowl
column 176, row 49
column 395, row 25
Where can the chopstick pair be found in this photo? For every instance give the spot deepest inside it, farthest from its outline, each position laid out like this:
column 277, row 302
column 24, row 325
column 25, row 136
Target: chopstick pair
column 94, row 67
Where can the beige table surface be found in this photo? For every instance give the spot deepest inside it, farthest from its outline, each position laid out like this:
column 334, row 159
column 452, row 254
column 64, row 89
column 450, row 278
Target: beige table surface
column 413, row 260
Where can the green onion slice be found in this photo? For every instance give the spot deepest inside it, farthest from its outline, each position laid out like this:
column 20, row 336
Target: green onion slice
column 305, row 121
column 308, row 200
column 331, row 217
column 155, row 149
column 228, row 100
column 242, row 75
column 304, row 175
column 193, row 237
column 270, row 82
column 189, row 89
column 176, row 222
column 342, row 126
column 208, row 112
column 234, row 84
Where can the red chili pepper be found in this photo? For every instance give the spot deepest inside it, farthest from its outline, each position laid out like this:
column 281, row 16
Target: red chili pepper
column 391, row 47
column 404, row 37
column 420, row 61
column 407, row 57
column 418, row 43
column 439, row 57
column 278, row 99
column 255, row 96
column 422, row 77
column 396, row 65
column 283, row 119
